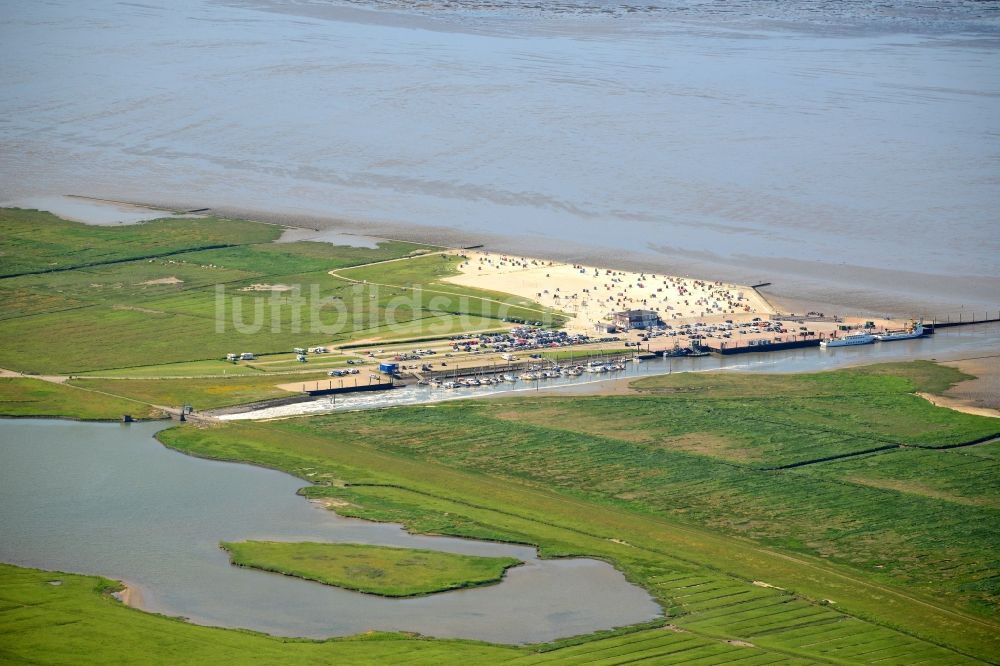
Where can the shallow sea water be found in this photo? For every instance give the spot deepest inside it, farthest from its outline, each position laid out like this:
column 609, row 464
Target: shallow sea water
column 848, row 151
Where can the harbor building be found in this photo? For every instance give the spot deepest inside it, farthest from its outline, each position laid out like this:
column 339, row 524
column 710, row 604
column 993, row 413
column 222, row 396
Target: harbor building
column 629, row 319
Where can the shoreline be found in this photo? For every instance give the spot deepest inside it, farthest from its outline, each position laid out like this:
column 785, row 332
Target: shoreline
column 956, row 398
column 794, row 284
column 328, row 504
column 788, row 284
column 958, row 405
column 982, row 393
column 610, row 385
column 130, row 594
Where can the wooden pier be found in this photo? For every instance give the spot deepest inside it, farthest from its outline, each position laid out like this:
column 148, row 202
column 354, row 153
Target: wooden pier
column 477, row 370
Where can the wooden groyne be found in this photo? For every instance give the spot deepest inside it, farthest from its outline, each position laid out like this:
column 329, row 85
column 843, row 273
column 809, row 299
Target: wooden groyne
column 963, row 319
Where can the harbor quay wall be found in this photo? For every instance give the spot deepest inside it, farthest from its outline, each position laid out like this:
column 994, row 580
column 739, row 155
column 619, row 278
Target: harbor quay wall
column 333, row 390
column 764, row 347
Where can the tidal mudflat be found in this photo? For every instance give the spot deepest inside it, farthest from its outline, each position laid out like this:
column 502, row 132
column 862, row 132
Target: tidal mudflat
column 829, row 149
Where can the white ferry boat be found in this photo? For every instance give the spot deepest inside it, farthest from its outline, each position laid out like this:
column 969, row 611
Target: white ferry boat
column 848, row 340
column 915, row 332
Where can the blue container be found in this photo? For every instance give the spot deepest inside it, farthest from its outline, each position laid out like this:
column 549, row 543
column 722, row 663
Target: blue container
column 388, row 368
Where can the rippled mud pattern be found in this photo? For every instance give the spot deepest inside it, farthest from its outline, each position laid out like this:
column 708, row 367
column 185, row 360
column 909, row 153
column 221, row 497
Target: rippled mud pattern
column 843, row 151
column 899, row 14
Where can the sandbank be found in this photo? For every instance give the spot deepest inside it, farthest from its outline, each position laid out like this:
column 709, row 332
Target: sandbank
column 975, row 396
column 589, row 294
column 959, row 405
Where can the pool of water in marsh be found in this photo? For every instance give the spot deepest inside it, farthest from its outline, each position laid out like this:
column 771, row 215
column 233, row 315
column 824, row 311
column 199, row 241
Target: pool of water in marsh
column 107, row 499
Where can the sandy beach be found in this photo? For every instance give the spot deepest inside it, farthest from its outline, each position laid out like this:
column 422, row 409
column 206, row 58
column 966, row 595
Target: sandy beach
column 975, row 396
column 590, row 293
column 130, row 595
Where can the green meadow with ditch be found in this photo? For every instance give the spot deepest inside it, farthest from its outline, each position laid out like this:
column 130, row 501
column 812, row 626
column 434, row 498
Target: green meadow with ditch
column 81, row 298
column 750, row 456
column 831, row 517
column 33, row 241
column 750, row 563
column 200, row 393
column 59, row 618
column 852, row 563
column 27, row 396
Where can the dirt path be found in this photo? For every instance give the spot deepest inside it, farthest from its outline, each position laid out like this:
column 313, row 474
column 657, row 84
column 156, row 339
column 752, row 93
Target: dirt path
column 55, row 379
column 260, row 375
column 63, row 379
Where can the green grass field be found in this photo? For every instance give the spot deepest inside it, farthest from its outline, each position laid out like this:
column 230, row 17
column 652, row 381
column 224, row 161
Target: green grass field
column 907, row 572
column 426, row 274
column 34, row 397
column 381, row 570
column 692, row 527
column 211, row 368
column 34, row 241
column 78, row 622
column 279, row 364
column 702, row 449
column 178, row 304
column 203, row 393
column 822, row 518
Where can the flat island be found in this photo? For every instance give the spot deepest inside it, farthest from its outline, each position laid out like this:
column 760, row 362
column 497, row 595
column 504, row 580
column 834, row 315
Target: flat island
column 381, row 570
